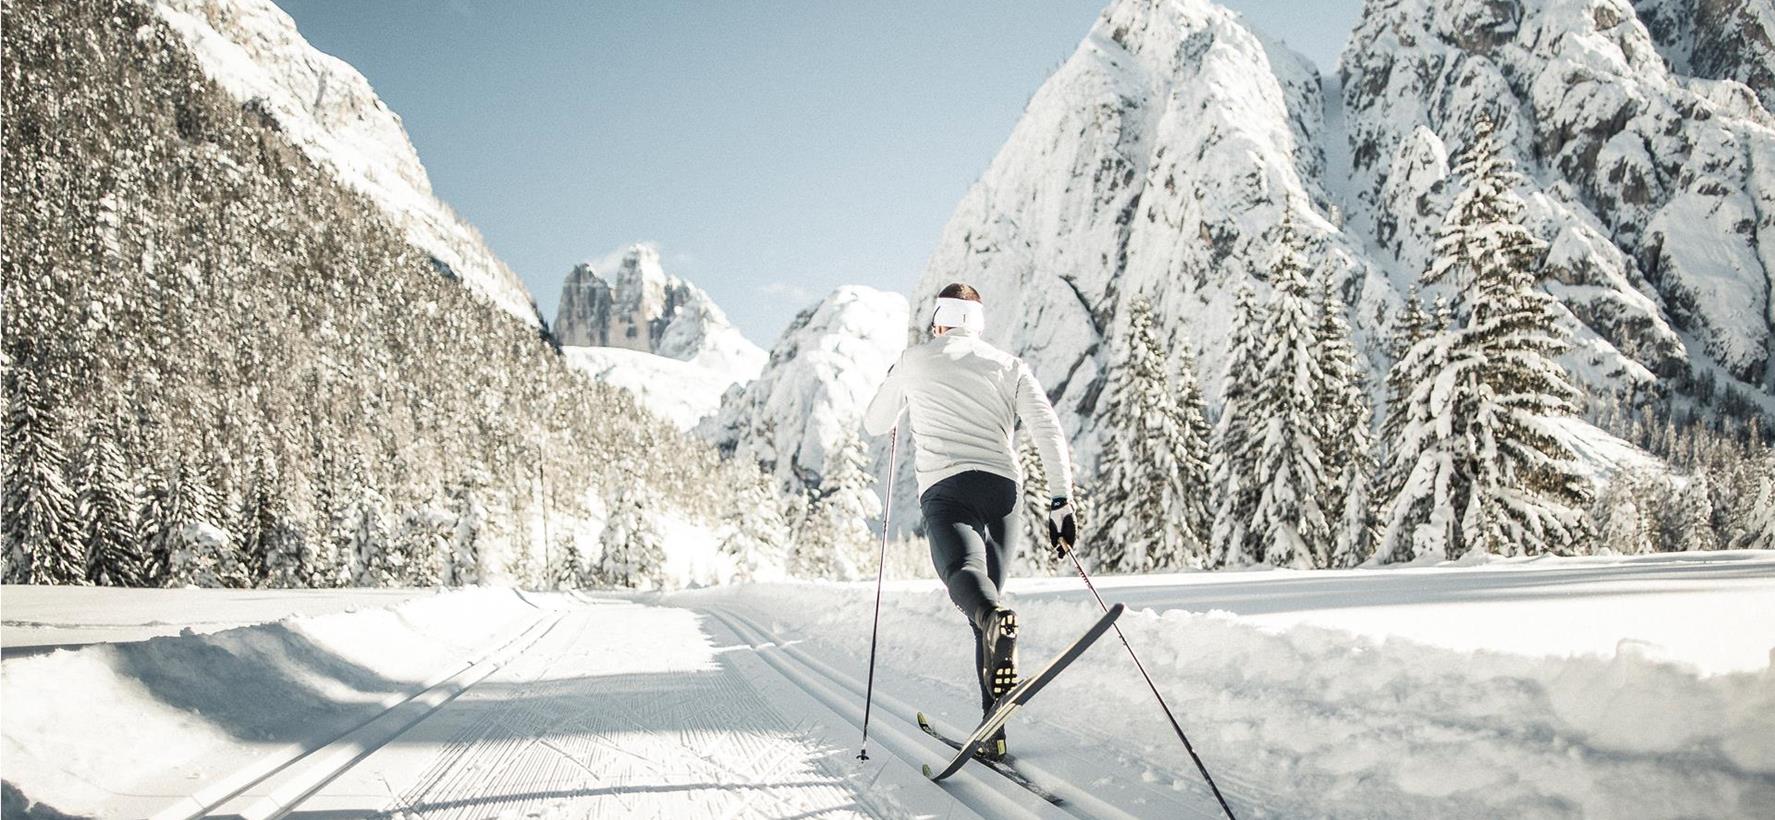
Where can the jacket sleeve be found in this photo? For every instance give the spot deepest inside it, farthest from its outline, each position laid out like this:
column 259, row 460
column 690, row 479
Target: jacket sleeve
column 890, row 399
column 1043, row 424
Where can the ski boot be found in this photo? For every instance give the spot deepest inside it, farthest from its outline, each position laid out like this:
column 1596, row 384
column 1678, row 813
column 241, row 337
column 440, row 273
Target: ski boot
column 994, row 749
column 998, row 633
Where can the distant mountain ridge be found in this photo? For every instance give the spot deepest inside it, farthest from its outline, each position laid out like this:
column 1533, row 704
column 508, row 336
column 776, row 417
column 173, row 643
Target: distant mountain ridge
column 639, row 307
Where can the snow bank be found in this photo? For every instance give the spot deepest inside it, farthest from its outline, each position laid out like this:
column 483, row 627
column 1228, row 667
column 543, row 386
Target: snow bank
column 94, row 730
column 1304, row 720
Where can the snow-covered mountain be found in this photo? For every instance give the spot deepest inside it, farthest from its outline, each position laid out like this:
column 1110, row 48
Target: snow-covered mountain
column 811, row 395
column 1159, row 158
column 638, row 306
column 1155, row 162
column 1652, row 185
column 328, row 109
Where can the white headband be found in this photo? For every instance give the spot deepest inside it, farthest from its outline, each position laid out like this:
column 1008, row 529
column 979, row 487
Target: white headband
column 960, row 313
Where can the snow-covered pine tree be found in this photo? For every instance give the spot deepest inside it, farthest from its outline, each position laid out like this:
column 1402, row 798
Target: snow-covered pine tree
column 1486, row 474
column 1194, row 485
column 1420, row 484
column 566, row 565
column 1233, row 450
column 197, row 551
column 1757, row 528
column 1412, row 324
column 1151, row 474
column 759, row 536
column 1289, row 520
column 1345, row 440
column 1038, row 557
column 465, row 564
column 271, row 547
column 1627, row 523
column 366, row 531
column 154, row 494
column 43, row 543
column 417, row 551
column 327, row 563
column 835, row 539
column 1688, row 518
column 634, row 553
column 106, row 504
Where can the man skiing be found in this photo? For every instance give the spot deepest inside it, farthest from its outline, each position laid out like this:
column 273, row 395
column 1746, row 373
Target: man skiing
column 963, row 398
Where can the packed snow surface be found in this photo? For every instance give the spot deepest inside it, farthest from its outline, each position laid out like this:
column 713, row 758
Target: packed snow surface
column 1629, row 687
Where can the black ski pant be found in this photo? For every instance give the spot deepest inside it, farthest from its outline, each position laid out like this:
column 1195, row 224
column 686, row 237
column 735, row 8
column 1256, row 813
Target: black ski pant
column 970, row 520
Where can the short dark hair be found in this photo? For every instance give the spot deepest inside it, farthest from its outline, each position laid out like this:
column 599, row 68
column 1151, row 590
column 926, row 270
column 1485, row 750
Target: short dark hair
column 958, row 290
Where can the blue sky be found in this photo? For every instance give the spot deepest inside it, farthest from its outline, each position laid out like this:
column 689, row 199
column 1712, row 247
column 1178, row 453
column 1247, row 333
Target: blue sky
column 774, row 150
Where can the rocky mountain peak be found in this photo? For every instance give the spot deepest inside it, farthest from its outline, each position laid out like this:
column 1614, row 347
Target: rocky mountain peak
column 638, row 306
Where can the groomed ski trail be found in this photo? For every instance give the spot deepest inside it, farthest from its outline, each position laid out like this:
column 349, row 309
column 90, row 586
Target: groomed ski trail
column 1069, row 765
column 623, row 710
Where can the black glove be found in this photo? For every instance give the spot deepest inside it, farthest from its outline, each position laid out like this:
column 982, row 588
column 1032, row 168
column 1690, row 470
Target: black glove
column 1063, row 530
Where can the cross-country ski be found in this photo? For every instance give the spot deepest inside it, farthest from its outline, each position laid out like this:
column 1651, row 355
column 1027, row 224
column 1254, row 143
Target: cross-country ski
column 1179, row 408
column 1003, row 767
column 1020, row 695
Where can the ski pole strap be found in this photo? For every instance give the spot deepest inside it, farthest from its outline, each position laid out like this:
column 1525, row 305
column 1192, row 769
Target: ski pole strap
column 887, row 512
column 1175, row 726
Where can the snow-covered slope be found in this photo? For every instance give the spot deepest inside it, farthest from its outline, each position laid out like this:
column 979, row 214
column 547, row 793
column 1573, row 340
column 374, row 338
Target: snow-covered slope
column 1654, row 187
column 822, row 373
column 1158, row 159
column 1155, row 162
column 253, row 50
column 639, row 307
column 681, row 392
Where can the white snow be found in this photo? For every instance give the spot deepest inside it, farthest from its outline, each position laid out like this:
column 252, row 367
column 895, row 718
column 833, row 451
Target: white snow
column 1639, row 687
column 681, row 392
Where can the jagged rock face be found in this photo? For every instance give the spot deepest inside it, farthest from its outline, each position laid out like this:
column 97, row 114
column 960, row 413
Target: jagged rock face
column 1715, row 39
column 1655, row 190
column 252, row 49
column 822, row 373
column 639, row 307
column 1156, row 161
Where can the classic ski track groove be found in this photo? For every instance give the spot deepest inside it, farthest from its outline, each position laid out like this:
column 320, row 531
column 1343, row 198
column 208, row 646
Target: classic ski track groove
column 527, row 748
column 1076, row 801
column 217, row 793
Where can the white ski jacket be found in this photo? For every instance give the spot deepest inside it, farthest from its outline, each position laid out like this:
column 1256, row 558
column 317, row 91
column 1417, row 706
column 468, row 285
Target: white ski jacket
column 964, row 397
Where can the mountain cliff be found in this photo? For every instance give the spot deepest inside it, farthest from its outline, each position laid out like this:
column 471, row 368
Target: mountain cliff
column 822, row 372
column 638, row 306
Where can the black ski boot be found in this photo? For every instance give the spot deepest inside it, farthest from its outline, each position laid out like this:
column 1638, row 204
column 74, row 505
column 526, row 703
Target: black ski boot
column 998, row 635
column 994, row 748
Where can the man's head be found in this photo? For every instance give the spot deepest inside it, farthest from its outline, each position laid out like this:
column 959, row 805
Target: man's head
column 958, row 305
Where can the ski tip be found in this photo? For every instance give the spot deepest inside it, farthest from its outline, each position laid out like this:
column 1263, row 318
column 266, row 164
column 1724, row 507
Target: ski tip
column 927, row 770
column 922, row 721
column 1116, row 611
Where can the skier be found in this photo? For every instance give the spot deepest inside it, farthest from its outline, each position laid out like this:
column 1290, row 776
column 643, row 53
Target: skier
column 963, row 398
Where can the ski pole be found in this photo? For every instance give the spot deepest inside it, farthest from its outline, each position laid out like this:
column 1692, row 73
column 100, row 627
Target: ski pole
column 1175, row 726
column 887, row 513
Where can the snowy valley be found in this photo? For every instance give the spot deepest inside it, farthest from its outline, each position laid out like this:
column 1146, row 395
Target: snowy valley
column 1420, row 413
